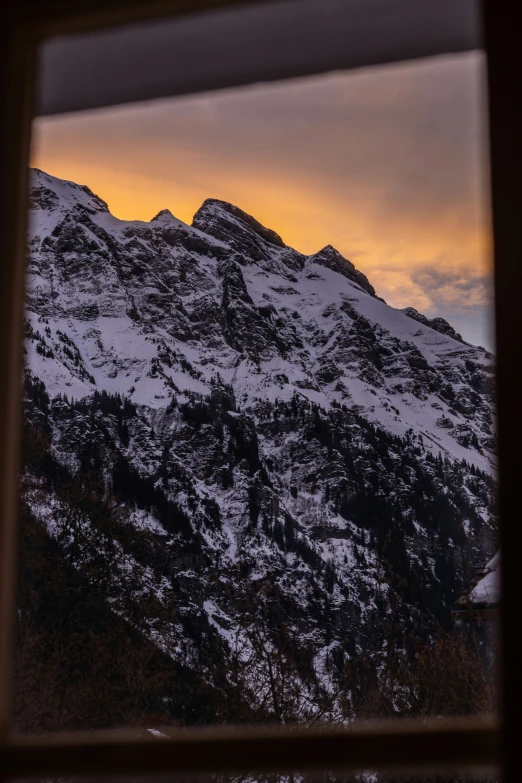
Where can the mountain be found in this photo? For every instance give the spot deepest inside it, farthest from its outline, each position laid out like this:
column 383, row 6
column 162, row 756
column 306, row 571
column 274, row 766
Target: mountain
column 262, row 462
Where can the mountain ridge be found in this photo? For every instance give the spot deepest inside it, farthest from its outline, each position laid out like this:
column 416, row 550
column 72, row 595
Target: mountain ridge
column 272, row 287
column 260, row 427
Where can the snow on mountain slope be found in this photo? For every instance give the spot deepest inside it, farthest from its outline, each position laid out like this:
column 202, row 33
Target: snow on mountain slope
column 276, row 450
column 160, row 308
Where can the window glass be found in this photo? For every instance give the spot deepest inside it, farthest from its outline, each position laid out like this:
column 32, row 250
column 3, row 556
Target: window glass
column 259, row 439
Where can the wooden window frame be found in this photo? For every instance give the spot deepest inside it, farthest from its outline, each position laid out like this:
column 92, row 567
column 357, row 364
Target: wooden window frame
column 406, row 745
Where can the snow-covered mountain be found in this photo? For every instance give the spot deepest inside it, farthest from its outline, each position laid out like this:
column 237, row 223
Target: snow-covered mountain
column 270, row 427
column 159, row 309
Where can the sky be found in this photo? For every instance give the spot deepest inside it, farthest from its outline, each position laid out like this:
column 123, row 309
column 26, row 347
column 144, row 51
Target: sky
column 387, row 164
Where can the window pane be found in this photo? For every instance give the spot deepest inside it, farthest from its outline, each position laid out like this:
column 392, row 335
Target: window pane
column 259, row 434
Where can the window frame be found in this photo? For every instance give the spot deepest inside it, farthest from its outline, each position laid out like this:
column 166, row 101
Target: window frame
column 446, row 743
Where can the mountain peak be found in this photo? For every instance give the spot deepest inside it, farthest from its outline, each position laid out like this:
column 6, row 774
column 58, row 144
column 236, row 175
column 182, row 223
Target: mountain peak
column 166, row 218
column 330, row 257
column 330, row 250
column 164, row 214
column 438, row 324
column 220, row 219
column 47, row 192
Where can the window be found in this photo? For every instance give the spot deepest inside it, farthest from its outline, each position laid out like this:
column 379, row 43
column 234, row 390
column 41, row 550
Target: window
column 37, row 751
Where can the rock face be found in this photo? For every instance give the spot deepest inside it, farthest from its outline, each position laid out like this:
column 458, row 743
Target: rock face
column 439, row 324
column 270, row 428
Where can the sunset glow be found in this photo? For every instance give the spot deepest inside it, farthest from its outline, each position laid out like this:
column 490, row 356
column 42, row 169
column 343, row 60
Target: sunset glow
column 386, row 164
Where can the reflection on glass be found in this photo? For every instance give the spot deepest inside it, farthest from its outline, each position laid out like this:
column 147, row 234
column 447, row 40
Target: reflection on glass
column 259, row 478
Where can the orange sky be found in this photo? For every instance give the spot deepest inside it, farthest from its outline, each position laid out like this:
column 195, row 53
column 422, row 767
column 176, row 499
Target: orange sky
column 386, row 164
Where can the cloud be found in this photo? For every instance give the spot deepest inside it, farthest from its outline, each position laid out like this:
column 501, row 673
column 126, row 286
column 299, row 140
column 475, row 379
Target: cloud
column 387, row 164
column 402, row 291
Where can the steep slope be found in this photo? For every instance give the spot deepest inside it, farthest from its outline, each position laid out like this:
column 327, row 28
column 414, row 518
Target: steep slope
column 155, row 307
column 292, row 463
